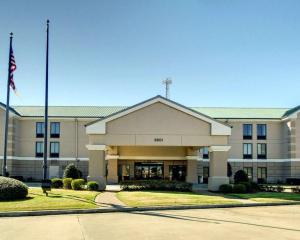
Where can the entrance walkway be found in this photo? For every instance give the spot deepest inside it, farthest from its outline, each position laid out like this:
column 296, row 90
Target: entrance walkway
column 109, row 200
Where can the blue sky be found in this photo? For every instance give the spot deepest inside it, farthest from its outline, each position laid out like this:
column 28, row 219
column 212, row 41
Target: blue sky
column 116, row 52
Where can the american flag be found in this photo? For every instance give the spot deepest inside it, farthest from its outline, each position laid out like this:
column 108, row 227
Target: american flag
column 13, row 68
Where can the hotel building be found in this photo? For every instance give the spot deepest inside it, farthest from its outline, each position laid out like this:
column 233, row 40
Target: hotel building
column 155, row 139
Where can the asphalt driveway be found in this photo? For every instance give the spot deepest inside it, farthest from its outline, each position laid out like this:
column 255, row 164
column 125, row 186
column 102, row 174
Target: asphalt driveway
column 281, row 222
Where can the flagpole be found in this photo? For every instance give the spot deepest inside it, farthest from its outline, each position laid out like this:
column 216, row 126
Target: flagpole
column 4, row 166
column 46, row 109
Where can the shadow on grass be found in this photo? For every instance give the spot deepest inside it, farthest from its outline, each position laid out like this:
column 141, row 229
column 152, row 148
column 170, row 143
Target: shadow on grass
column 18, row 200
column 269, row 195
column 66, row 196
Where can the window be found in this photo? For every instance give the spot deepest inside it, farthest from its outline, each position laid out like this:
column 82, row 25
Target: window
column 261, row 131
column 54, row 149
column 39, row 149
column 261, row 151
column 204, row 152
column 249, row 171
column 247, row 131
column 261, row 174
column 55, row 130
column 247, row 150
column 39, row 129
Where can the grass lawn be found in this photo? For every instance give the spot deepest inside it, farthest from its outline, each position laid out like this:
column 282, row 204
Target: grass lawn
column 267, row 196
column 57, row 199
column 156, row 198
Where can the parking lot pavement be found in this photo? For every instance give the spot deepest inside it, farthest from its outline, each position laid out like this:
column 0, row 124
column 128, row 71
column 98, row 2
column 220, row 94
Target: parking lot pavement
column 236, row 223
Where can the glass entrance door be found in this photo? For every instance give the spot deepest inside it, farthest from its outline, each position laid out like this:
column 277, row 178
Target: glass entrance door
column 148, row 171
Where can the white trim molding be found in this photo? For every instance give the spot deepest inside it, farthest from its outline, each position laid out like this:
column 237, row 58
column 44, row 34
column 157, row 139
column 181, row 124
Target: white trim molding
column 93, row 147
column 217, row 127
column 108, row 157
column 219, row 148
column 264, row 160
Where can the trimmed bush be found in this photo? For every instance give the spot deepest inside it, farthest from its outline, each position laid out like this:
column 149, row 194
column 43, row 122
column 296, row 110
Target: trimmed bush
column 247, row 186
column 77, row 184
column 71, row 171
column 255, row 187
column 56, row 183
column 12, row 189
column 67, row 183
column 158, row 185
column 225, row 188
column 279, row 189
column 295, row 189
column 240, row 176
column 92, row 186
column 239, row 188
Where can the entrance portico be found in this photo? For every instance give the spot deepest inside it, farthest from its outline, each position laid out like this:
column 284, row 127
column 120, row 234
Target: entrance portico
column 156, row 139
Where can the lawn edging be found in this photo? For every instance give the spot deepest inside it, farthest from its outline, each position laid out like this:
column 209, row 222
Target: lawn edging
column 135, row 209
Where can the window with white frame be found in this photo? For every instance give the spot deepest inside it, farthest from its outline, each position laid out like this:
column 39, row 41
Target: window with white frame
column 54, row 149
column 261, row 151
column 39, row 149
column 247, row 150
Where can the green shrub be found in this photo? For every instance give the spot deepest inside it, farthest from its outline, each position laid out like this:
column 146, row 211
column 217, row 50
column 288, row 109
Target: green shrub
column 225, row 188
column 239, row 188
column 12, row 189
column 279, row 189
column 92, row 186
column 240, row 176
column 77, row 184
column 255, row 187
column 159, row 185
column 295, row 189
column 247, row 186
column 67, row 183
column 56, row 183
column 71, row 172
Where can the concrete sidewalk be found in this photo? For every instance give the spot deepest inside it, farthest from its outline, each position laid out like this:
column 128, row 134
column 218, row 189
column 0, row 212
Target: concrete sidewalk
column 211, row 224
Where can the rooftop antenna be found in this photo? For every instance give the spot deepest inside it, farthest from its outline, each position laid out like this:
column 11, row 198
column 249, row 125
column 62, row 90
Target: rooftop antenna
column 167, row 82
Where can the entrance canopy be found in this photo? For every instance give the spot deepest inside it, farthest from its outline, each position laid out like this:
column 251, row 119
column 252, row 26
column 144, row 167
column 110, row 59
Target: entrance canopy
column 158, row 122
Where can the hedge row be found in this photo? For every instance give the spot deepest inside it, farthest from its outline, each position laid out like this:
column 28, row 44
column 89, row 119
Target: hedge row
column 242, row 187
column 75, row 184
column 162, row 185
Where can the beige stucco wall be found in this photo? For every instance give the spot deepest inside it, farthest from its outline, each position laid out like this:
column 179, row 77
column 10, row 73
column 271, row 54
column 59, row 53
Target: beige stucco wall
column 25, row 139
column 152, row 151
column 158, row 121
column 276, row 144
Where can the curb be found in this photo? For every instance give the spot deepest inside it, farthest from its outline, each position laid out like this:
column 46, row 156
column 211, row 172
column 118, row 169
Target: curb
column 137, row 209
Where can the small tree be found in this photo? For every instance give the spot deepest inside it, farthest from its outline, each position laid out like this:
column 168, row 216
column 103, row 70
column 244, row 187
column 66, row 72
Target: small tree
column 240, row 176
column 71, row 171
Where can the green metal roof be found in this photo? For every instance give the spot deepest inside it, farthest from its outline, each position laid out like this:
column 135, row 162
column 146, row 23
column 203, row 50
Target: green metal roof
column 68, row 111
column 103, row 111
column 224, row 112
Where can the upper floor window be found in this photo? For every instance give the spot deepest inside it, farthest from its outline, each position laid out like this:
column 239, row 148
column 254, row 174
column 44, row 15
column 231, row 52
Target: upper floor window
column 39, row 129
column 39, row 149
column 261, row 131
column 247, row 131
column 247, row 150
column 55, row 130
column 249, row 171
column 205, row 154
column 54, row 149
column 261, row 151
